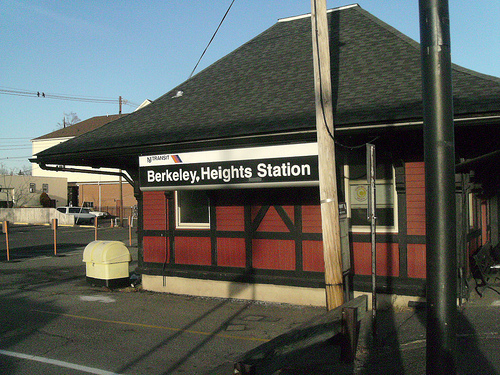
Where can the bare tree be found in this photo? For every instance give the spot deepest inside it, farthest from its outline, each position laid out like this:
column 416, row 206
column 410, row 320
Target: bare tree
column 68, row 120
column 4, row 170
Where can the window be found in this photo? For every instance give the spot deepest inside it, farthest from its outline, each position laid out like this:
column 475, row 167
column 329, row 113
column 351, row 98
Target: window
column 45, row 188
column 192, row 209
column 32, row 187
column 357, row 197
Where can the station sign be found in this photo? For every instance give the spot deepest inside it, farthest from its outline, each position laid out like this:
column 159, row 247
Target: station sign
column 271, row 166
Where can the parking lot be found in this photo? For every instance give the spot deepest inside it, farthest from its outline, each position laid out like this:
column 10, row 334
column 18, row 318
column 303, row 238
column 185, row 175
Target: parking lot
column 54, row 322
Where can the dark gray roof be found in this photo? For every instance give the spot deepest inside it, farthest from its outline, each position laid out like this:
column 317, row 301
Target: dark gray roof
column 266, row 87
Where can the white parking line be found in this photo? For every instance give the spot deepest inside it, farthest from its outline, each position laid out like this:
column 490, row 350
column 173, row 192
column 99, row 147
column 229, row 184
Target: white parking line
column 55, row 362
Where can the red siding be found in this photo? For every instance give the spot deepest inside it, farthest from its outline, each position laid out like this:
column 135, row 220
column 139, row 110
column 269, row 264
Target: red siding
column 416, row 260
column 311, row 219
column 415, row 198
column 312, row 255
column 155, row 249
column 272, row 221
column 231, row 252
column 155, row 215
column 230, row 218
column 273, row 254
column 387, row 259
column 193, row 250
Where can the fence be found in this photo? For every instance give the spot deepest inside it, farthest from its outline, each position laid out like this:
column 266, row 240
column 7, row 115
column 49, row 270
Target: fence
column 115, row 211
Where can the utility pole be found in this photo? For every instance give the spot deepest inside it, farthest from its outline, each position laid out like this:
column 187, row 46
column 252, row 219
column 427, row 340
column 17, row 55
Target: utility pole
column 332, row 252
column 120, row 180
column 121, row 199
column 439, row 154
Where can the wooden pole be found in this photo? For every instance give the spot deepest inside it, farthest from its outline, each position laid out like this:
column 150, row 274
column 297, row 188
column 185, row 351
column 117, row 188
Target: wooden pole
column 95, row 228
column 6, row 231
column 54, row 227
column 326, row 156
column 371, row 214
column 130, row 230
column 121, row 200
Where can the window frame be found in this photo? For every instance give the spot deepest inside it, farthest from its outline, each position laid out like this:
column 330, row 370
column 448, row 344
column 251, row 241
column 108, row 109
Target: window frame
column 178, row 213
column 366, row 228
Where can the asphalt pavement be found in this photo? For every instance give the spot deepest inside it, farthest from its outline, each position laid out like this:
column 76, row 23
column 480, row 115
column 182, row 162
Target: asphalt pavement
column 55, row 322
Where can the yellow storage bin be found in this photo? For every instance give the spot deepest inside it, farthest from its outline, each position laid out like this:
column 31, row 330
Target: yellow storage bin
column 107, row 263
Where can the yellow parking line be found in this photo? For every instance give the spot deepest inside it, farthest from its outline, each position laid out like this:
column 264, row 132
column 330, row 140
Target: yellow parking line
column 153, row 326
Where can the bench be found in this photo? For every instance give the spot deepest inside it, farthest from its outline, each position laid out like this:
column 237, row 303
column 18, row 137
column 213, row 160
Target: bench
column 338, row 327
column 484, row 268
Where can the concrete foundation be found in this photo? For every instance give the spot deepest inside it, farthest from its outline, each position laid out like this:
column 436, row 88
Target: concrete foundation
column 258, row 292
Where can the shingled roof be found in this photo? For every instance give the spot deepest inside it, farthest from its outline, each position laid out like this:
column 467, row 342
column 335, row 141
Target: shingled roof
column 266, row 87
column 79, row 128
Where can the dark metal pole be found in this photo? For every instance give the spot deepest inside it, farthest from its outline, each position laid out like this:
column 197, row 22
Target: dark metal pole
column 439, row 149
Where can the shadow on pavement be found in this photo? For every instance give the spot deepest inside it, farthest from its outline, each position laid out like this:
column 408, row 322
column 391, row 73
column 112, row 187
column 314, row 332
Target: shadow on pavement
column 18, row 323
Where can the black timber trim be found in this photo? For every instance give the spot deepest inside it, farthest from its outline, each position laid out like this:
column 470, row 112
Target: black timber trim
column 362, row 283
column 213, row 232
column 391, row 285
column 140, row 226
column 284, row 216
column 299, row 256
column 259, row 217
column 234, row 274
column 400, row 173
column 170, row 230
column 380, row 237
column 248, row 237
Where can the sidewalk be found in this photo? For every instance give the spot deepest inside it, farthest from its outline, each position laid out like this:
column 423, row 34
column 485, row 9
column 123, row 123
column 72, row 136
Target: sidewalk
column 400, row 346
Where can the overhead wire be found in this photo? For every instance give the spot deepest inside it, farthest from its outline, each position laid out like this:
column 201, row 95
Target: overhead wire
column 330, row 131
column 79, row 98
column 211, row 39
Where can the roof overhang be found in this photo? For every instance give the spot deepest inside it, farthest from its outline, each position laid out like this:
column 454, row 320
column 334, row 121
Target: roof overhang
column 127, row 157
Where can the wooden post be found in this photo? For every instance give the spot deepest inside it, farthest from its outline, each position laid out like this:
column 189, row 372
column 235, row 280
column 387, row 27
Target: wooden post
column 121, row 200
column 95, row 228
column 6, row 231
column 326, row 156
column 130, row 230
column 54, row 227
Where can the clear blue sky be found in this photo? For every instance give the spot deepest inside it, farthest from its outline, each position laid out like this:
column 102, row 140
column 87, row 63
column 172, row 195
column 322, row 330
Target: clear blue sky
column 140, row 50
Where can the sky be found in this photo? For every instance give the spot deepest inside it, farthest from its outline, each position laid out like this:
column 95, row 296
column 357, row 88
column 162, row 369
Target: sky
column 98, row 51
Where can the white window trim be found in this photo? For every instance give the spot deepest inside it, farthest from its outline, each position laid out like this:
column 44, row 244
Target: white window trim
column 180, row 225
column 366, row 228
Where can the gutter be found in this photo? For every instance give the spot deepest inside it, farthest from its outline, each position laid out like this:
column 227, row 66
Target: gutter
column 81, row 170
column 472, row 163
column 264, row 139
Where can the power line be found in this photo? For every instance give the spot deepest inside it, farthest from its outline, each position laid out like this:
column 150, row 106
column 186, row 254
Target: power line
column 78, row 98
column 17, row 137
column 16, row 157
column 213, row 36
column 15, row 148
